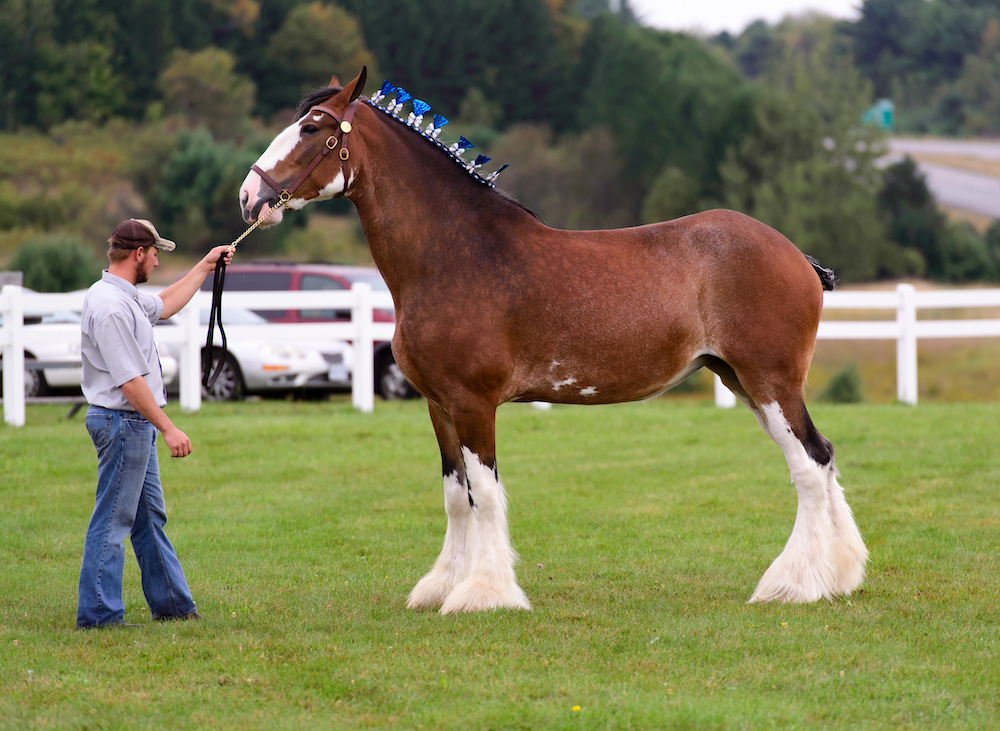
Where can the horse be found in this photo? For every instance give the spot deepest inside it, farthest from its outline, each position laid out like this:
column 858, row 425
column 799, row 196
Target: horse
column 493, row 306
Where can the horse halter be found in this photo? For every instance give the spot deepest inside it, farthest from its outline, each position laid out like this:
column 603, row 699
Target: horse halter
column 343, row 129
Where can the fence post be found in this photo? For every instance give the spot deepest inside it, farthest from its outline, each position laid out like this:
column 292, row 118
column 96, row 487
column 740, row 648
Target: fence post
column 13, row 357
column 189, row 369
column 724, row 398
column 363, row 378
column 906, row 345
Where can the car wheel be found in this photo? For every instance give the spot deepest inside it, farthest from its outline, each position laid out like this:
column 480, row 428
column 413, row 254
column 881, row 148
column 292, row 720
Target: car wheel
column 229, row 385
column 34, row 382
column 390, row 383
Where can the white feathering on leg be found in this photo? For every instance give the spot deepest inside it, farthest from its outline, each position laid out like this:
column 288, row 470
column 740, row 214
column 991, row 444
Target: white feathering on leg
column 452, row 565
column 806, row 570
column 491, row 583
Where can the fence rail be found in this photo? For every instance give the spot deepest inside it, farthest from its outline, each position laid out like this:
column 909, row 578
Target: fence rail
column 190, row 335
column 904, row 328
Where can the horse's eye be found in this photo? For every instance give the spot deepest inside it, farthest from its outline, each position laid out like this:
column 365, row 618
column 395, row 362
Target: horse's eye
column 310, row 129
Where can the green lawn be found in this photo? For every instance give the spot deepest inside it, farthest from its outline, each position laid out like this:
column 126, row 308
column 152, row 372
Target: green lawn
column 642, row 530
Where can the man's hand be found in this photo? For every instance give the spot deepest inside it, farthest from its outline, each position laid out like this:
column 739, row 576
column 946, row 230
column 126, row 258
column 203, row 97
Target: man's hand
column 180, row 292
column 212, row 257
column 180, row 445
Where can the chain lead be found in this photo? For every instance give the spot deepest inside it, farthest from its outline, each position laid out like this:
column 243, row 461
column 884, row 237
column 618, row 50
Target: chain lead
column 281, row 204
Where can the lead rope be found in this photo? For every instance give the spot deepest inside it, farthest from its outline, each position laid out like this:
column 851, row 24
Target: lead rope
column 208, row 376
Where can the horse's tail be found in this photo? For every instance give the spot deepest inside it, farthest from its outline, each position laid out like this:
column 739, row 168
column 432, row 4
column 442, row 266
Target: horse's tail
column 826, row 276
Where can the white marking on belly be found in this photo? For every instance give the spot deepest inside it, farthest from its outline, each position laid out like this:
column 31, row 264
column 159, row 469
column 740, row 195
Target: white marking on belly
column 556, row 385
column 588, row 391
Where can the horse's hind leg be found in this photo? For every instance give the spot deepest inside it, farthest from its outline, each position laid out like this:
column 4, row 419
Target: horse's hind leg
column 491, row 582
column 825, row 555
column 452, row 566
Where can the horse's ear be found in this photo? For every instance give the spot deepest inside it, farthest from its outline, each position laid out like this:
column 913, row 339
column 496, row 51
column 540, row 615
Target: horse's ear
column 334, row 81
column 358, row 85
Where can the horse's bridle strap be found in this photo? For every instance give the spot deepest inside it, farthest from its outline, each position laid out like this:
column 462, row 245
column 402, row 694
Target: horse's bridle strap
column 344, row 128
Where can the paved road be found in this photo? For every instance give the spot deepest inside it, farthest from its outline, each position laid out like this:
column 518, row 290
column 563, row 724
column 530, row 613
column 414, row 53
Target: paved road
column 961, row 189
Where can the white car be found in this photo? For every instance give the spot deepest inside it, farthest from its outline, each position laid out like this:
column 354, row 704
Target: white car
column 265, row 363
column 56, row 365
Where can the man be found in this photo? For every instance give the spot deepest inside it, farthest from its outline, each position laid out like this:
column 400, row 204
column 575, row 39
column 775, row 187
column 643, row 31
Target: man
column 123, row 384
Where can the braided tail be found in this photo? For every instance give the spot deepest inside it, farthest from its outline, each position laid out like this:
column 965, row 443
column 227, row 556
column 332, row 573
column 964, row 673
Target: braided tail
column 826, row 276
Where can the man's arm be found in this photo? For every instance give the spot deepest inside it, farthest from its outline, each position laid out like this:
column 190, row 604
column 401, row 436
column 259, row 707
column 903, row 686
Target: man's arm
column 180, row 292
column 138, row 394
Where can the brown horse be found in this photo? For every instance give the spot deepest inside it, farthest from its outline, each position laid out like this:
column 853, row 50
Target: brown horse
column 494, row 306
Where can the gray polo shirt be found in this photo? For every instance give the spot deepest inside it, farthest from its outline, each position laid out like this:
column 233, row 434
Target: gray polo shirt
column 117, row 342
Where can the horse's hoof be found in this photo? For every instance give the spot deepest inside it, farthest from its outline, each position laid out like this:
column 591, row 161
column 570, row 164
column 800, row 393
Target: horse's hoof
column 430, row 591
column 784, row 581
column 478, row 596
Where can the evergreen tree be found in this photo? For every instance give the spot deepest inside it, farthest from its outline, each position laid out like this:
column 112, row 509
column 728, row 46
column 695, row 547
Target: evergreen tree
column 667, row 100
column 439, row 49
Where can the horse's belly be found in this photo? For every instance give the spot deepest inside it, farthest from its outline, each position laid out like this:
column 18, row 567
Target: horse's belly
column 609, row 376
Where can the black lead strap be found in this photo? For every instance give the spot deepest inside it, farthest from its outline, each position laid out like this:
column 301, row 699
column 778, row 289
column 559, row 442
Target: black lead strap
column 208, row 376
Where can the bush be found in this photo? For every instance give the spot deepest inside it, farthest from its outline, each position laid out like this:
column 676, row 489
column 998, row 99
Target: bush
column 58, row 263
column 844, row 387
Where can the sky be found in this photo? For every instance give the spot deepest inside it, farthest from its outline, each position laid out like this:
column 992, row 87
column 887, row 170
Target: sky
column 715, row 16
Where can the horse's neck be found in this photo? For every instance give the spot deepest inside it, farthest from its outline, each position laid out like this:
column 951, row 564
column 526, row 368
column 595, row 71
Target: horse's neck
column 419, row 214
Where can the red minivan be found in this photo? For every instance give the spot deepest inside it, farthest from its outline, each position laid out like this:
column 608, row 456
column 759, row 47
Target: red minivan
column 277, row 276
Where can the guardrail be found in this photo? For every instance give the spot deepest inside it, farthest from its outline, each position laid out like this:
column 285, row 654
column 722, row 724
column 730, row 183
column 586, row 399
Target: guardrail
column 190, row 334
column 905, row 329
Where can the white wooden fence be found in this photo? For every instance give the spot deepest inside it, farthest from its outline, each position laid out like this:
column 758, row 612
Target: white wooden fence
column 191, row 334
column 905, row 329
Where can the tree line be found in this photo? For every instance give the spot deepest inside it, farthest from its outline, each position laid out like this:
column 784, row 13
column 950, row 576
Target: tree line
column 604, row 122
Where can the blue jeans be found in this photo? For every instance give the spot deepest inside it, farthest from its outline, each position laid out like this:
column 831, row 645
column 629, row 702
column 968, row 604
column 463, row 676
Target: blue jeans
column 129, row 502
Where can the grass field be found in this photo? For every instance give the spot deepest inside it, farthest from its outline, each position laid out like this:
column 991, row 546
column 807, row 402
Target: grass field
column 642, row 531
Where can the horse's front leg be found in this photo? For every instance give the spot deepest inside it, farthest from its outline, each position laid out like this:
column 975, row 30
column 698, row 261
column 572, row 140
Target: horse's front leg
column 452, row 566
column 491, row 582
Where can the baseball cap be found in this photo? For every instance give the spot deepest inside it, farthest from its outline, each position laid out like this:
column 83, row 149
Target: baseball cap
column 138, row 233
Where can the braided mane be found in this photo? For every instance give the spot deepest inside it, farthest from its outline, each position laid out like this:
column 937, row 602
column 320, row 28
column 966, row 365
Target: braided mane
column 318, row 96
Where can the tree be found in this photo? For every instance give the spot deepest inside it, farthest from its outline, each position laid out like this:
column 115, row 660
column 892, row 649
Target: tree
column 440, row 49
column 668, row 101
column 673, row 194
column 571, row 182
column 56, row 263
column 317, row 40
column 808, row 168
column 203, row 87
column 75, row 81
column 914, row 221
column 753, row 48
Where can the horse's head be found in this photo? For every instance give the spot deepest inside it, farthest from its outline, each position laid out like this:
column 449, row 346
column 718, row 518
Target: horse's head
column 310, row 159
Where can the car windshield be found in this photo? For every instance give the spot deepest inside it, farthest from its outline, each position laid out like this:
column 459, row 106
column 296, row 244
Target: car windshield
column 374, row 279
column 235, row 317
column 230, row 316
